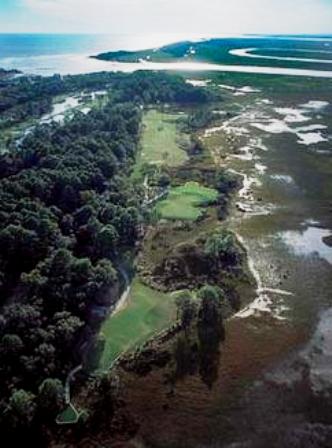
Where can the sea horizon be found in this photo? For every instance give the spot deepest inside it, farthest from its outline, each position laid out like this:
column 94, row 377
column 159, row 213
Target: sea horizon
column 70, row 53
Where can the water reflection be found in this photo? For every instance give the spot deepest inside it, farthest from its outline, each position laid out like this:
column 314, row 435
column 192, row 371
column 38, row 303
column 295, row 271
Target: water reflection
column 309, row 242
column 74, row 64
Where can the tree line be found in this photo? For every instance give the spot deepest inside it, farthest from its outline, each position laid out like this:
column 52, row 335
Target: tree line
column 26, row 97
column 67, row 211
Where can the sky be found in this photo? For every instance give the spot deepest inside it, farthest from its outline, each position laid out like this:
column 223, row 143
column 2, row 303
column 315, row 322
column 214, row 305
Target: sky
column 167, row 16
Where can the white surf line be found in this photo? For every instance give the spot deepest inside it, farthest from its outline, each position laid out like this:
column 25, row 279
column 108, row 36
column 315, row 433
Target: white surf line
column 247, row 52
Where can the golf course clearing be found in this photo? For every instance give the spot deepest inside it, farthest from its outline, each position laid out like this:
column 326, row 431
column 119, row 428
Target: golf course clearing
column 186, row 202
column 69, row 416
column 147, row 312
column 163, row 143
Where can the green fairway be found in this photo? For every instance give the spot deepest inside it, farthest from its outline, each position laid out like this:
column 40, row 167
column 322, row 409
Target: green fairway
column 68, row 416
column 185, row 202
column 147, row 312
column 162, row 142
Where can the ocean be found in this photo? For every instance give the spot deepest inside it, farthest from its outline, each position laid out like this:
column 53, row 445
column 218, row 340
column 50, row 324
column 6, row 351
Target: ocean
column 47, row 54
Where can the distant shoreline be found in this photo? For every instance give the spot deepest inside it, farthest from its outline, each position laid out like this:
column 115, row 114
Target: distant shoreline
column 81, row 56
column 226, row 54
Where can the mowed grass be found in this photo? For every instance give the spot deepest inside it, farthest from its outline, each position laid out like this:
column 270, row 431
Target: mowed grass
column 186, row 202
column 148, row 311
column 162, row 141
column 69, row 415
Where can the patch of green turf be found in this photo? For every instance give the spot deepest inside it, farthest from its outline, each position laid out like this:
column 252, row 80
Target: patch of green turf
column 162, row 141
column 147, row 312
column 186, row 202
column 69, row 415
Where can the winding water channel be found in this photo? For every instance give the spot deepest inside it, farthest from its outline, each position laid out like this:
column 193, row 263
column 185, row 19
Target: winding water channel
column 283, row 215
column 250, row 53
column 77, row 64
column 274, row 377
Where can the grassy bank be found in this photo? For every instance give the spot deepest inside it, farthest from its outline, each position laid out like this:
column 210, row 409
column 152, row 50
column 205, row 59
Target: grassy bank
column 147, row 312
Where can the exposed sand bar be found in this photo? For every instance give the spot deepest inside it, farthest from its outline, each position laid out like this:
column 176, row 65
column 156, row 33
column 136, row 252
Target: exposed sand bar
column 78, row 64
column 206, row 67
column 247, row 52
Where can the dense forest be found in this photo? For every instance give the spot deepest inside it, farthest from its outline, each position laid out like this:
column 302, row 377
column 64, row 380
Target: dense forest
column 68, row 211
column 25, row 97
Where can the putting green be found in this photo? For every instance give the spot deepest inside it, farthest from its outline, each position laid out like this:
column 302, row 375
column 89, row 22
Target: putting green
column 186, row 202
column 69, row 416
